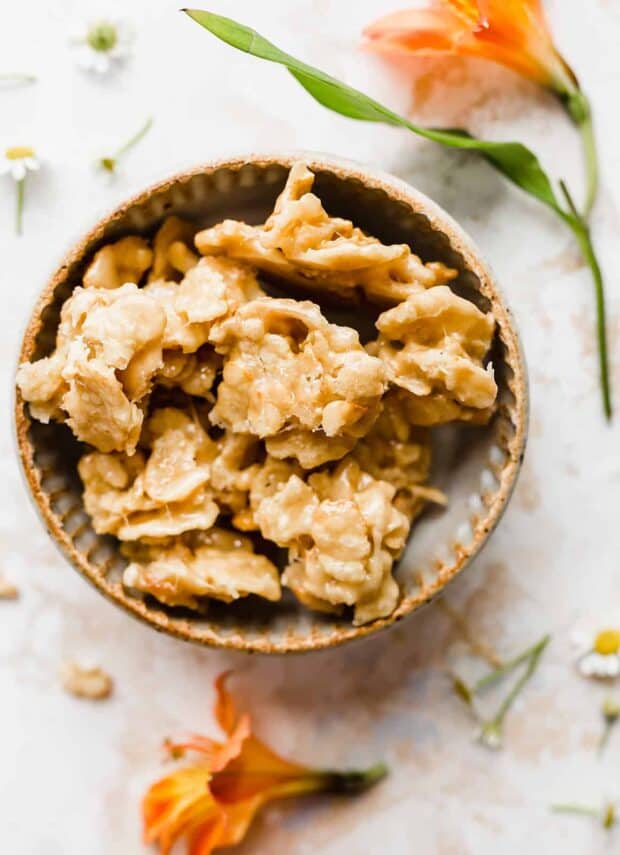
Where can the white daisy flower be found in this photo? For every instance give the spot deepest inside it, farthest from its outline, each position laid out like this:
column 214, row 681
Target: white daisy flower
column 598, row 650
column 17, row 161
column 103, row 44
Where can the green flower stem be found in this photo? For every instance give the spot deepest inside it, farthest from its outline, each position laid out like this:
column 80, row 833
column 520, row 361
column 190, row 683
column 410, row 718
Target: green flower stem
column 580, row 111
column 19, row 207
column 492, row 730
column 506, row 667
column 581, row 810
column 591, row 159
column 109, row 163
column 17, row 77
column 135, row 139
column 604, row 737
column 581, row 230
column 607, row 816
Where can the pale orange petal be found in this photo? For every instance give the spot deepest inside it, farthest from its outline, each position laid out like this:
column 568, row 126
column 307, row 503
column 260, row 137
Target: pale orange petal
column 258, row 769
column 418, row 30
column 513, row 33
column 225, row 710
column 175, row 804
column 207, row 837
column 215, row 754
column 236, row 819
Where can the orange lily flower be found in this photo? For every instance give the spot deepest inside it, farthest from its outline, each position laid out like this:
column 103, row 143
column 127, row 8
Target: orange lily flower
column 513, row 33
column 213, row 802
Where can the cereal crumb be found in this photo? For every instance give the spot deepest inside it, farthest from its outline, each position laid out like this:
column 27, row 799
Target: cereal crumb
column 8, row 591
column 86, row 682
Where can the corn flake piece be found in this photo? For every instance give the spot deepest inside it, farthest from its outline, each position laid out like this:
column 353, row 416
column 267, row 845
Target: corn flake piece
column 8, row 591
column 208, row 293
column 199, row 511
column 89, row 682
column 310, row 448
column 164, row 494
column 194, row 373
column 181, row 257
column 287, row 367
column 223, row 567
column 97, row 407
column 108, row 350
column 433, row 345
column 396, row 451
column 169, row 258
column 343, row 532
column 301, row 243
column 41, row 384
column 265, row 479
column 124, row 261
column 440, row 409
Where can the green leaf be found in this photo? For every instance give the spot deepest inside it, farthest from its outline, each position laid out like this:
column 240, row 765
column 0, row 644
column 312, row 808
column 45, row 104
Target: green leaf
column 514, row 160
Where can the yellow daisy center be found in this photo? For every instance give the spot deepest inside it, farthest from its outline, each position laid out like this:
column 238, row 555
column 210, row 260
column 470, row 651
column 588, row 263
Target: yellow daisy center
column 102, row 36
column 607, row 642
column 17, row 152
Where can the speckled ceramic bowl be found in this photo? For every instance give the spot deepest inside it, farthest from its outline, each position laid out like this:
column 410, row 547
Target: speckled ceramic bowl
column 476, row 467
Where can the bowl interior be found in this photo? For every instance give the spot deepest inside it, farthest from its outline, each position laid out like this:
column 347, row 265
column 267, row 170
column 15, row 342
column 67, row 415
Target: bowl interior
column 475, row 466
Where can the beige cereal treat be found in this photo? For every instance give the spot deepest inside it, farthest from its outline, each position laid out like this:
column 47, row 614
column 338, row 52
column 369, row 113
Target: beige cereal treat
column 433, row 345
column 209, row 292
column 301, row 243
column 314, row 448
column 171, row 250
column 164, row 494
column 114, row 265
column 194, row 373
column 90, row 682
column 397, row 451
column 343, row 532
column 223, row 566
column 279, row 423
column 287, row 367
column 108, row 350
column 265, row 479
column 437, row 409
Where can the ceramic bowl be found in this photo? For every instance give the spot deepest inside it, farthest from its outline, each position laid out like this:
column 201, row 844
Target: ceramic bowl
column 476, row 467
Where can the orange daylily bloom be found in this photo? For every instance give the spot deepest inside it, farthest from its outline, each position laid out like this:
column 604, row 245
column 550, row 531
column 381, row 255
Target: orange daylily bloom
column 514, row 33
column 213, row 802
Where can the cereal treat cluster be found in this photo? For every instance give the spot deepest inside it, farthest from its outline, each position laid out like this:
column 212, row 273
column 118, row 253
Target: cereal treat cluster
column 225, row 427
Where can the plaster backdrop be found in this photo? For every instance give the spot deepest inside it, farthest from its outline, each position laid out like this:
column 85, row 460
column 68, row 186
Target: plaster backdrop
column 73, row 771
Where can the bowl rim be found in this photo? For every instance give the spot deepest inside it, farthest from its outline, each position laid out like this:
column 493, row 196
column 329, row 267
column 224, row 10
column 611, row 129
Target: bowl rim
column 397, row 190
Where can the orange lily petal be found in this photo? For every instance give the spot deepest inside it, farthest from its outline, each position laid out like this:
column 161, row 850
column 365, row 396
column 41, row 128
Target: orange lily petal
column 431, row 30
column 172, row 805
column 216, row 755
column 513, row 33
column 225, row 709
column 230, row 829
column 258, row 769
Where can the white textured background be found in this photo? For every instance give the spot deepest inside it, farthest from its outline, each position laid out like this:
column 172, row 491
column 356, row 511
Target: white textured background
column 71, row 773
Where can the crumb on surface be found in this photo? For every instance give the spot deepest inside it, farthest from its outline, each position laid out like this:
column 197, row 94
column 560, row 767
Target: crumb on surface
column 89, row 682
